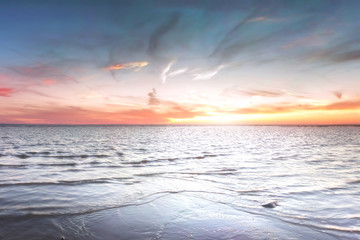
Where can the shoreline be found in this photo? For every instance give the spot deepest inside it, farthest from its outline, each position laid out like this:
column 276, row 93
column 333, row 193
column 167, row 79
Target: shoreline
column 173, row 216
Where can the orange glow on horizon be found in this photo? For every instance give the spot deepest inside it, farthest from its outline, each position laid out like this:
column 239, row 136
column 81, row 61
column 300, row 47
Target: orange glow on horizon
column 295, row 118
column 177, row 115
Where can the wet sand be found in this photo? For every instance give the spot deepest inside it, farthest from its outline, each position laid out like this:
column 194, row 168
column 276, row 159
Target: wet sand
column 169, row 216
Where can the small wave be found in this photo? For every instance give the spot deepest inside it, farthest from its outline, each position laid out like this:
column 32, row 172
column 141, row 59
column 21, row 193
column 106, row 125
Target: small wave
column 145, row 161
column 204, row 156
column 68, row 182
column 343, row 229
column 357, row 181
column 141, row 149
column 60, row 211
column 78, row 156
column 94, row 162
column 147, row 174
column 22, row 156
column 139, row 162
column 13, row 165
column 110, row 166
column 57, row 164
column 31, row 153
column 101, row 165
column 206, row 173
column 74, row 170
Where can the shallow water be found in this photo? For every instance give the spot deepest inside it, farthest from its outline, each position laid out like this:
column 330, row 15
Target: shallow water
column 179, row 182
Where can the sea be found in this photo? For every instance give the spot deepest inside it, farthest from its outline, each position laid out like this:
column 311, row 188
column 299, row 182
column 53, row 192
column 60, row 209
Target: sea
column 179, row 182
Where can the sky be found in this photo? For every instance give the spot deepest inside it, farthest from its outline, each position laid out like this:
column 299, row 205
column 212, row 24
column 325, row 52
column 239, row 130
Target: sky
column 180, row 62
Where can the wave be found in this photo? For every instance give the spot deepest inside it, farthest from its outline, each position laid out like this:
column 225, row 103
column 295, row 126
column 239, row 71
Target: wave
column 13, row 165
column 57, row 164
column 146, row 199
column 22, row 156
column 357, row 181
column 66, row 182
column 203, row 156
column 47, row 155
column 146, row 161
column 81, row 156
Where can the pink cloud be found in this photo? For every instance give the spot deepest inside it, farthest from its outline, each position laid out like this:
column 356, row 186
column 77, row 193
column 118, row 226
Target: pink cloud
column 6, row 92
column 78, row 115
column 49, row 82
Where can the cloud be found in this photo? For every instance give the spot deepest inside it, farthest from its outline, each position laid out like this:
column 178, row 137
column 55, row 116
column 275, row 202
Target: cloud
column 237, row 91
column 42, row 71
column 153, row 100
column 207, row 75
column 78, row 115
column 49, row 82
column 130, row 65
column 6, row 92
column 178, row 72
column 343, row 105
column 229, row 35
column 338, row 94
column 288, row 108
column 347, row 56
column 234, row 44
column 40, row 93
column 346, row 50
column 251, row 93
column 164, row 73
column 155, row 37
column 34, row 71
column 257, row 19
column 312, row 40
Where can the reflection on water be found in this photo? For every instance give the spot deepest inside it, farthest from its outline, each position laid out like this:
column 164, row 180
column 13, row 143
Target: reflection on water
column 137, row 182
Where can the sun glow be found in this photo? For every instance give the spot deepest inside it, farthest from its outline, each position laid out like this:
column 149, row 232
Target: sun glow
column 301, row 117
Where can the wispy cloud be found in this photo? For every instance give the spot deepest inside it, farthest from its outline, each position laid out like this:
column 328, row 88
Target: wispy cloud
column 288, row 108
column 80, row 115
column 313, row 40
column 251, row 93
column 6, row 92
column 130, row 65
column 343, row 105
column 164, row 73
column 34, row 71
column 238, row 91
column 43, row 71
column 343, row 51
column 353, row 55
column 229, row 35
column 49, row 82
column 157, row 35
column 257, row 19
column 207, row 75
column 178, row 72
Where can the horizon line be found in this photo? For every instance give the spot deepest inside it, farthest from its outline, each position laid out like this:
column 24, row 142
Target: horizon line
column 169, row 124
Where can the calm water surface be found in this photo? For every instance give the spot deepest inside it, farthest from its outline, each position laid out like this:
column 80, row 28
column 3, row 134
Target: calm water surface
column 173, row 182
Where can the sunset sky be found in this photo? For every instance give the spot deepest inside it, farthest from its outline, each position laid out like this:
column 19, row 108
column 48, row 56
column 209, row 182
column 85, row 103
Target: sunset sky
column 180, row 62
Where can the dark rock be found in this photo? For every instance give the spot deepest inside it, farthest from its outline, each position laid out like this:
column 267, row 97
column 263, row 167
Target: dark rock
column 270, row 204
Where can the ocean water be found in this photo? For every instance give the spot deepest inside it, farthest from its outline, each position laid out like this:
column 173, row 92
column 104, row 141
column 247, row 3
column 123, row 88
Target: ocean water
column 179, row 182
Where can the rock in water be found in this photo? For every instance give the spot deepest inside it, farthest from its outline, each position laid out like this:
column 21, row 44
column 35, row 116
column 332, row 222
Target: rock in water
column 62, row 238
column 270, row 204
